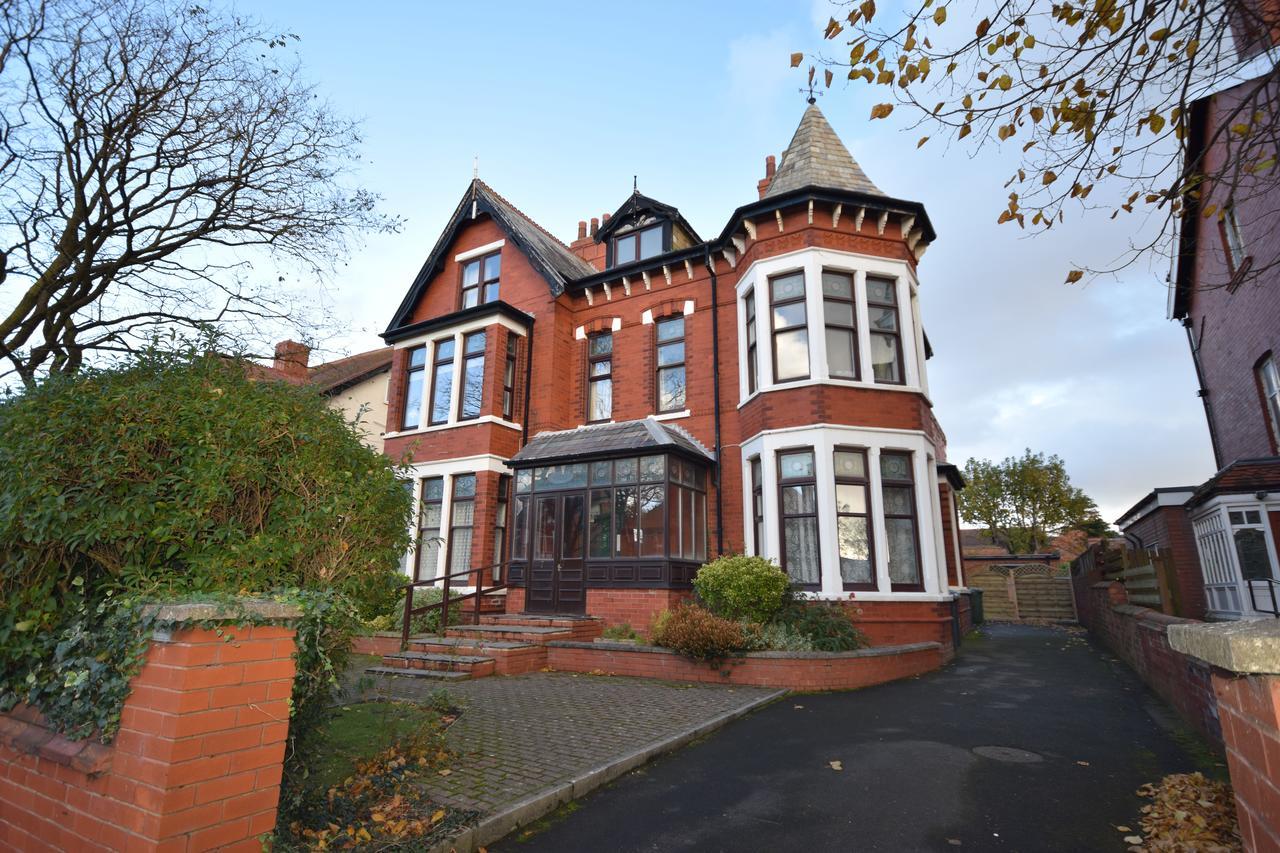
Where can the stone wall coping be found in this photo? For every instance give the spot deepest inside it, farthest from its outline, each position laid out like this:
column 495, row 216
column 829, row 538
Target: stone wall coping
column 872, row 652
column 24, row 729
column 1246, row 647
column 205, row 611
column 1105, row 584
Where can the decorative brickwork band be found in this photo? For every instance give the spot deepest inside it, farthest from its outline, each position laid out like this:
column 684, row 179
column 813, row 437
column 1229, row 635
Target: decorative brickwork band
column 196, row 764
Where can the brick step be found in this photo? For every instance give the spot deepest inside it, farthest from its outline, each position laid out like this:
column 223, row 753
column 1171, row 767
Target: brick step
column 534, row 634
column 477, row 665
column 434, row 674
column 536, row 621
column 466, row 646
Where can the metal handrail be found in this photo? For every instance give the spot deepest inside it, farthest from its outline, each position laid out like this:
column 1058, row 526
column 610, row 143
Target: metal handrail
column 446, row 599
column 1272, row 585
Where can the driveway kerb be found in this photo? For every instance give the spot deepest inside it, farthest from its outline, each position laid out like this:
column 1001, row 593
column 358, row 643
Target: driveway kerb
column 503, row 822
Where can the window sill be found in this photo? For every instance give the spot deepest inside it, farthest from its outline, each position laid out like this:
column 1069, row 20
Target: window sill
column 835, row 383
column 672, row 416
column 483, row 419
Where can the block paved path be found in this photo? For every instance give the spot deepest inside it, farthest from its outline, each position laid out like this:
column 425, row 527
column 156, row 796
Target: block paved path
column 520, row 735
column 1088, row 733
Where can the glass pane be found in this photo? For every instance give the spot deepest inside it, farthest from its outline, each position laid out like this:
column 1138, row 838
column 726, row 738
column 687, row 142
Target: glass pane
column 431, row 515
column 601, row 472
column 651, row 242
column 544, row 538
column 463, row 513
column 840, row 353
column 600, row 534
column 895, row 466
column 797, row 500
column 1252, row 517
column 474, row 343
column 787, row 287
column 751, row 333
column 897, row 500
column 460, row 551
column 687, row 547
column 491, row 291
column 837, row 284
column 444, row 350
column 624, row 250
column 572, row 527
column 600, row 404
column 671, row 353
column 1251, row 548
column 471, row 273
column 413, row 400
column 855, row 550
column 417, row 356
column 903, row 566
column 851, row 498
column 882, row 290
column 884, row 359
column 671, row 328
column 492, row 266
column 699, row 476
column 471, row 297
column 600, row 344
column 652, row 542
column 700, row 527
column 524, row 481
column 671, row 389
column 601, row 368
column 653, row 468
column 850, row 464
column 787, row 316
column 1236, row 517
column 443, row 390
column 750, row 306
column 838, row 313
column 472, row 387
column 883, row 319
column 792, row 355
column 795, row 464
column 674, row 494
column 625, row 521
column 464, row 486
column 801, row 541
column 433, row 489
column 520, row 535
column 428, row 555
column 561, row 476
column 624, row 471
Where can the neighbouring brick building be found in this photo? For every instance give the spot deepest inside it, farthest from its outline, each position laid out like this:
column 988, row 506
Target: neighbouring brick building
column 1226, row 295
column 591, row 421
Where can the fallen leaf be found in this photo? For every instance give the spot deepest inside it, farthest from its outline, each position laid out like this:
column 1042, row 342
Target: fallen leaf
column 1083, row 763
column 445, row 772
column 798, row 707
column 836, row 765
column 1123, row 829
column 1133, row 839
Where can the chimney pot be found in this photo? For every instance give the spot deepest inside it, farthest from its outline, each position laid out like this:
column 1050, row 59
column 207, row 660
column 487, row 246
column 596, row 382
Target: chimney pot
column 582, row 229
column 291, row 359
column 770, row 165
column 595, row 226
column 604, row 219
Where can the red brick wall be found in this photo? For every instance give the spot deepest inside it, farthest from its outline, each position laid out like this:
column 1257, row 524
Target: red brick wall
column 635, row 607
column 888, row 623
column 1139, row 636
column 1169, row 528
column 1237, row 328
column 196, row 764
column 1249, row 707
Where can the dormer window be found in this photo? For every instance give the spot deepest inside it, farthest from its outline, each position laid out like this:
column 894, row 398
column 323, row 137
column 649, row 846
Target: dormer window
column 480, row 280
column 638, row 245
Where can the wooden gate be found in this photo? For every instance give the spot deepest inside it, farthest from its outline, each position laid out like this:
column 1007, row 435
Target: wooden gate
column 1022, row 591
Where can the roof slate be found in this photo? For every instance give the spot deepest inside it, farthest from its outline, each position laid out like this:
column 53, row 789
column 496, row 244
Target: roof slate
column 538, row 241
column 817, row 158
column 601, row 439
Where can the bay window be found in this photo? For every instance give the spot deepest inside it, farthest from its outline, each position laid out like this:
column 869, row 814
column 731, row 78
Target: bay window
column 790, row 327
column 671, row 384
column 472, row 376
column 853, row 519
column 798, row 501
column 752, row 363
column 886, row 335
column 441, row 381
column 599, row 377
column 898, row 495
column 411, row 417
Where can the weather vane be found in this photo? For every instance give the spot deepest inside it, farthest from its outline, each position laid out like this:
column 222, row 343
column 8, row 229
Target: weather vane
column 813, row 93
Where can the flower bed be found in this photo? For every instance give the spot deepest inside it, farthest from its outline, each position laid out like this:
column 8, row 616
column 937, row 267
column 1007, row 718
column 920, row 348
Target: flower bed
column 791, row 670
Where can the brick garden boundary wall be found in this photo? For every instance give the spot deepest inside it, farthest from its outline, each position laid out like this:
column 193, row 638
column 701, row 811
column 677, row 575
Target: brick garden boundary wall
column 1245, row 661
column 196, row 764
column 791, row 670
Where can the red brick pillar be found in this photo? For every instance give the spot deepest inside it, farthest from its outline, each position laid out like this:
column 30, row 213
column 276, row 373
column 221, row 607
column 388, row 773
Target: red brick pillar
column 1246, row 683
column 196, row 764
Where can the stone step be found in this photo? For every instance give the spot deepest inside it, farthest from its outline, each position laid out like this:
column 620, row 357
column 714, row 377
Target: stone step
column 436, row 660
column 536, row 621
column 434, row 674
column 537, row 634
column 465, row 645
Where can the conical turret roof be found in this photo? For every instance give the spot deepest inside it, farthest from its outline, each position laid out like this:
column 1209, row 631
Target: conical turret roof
column 817, row 158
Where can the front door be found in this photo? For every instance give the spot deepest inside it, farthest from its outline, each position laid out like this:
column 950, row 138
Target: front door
column 557, row 581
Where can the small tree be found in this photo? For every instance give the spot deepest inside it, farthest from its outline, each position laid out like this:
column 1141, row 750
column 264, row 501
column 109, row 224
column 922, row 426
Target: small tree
column 1023, row 501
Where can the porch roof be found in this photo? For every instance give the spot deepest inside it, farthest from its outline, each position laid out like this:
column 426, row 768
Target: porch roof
column 600, row 440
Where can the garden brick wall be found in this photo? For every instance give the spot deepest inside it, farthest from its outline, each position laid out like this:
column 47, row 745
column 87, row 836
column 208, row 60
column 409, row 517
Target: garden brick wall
column 196, row 764
column 1249, row 707
column 1139, row 636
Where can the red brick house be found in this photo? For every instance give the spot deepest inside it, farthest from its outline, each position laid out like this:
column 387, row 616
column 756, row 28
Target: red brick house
column 599, row 418
column 1226, row 294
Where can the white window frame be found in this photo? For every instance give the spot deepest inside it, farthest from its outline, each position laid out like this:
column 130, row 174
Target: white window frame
column 446, row 469
column 1269, row 374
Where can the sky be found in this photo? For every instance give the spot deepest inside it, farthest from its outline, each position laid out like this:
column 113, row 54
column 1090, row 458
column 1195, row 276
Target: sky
column 562, row 103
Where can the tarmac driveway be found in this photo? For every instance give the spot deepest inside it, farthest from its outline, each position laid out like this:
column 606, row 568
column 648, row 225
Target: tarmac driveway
column 1033, row 740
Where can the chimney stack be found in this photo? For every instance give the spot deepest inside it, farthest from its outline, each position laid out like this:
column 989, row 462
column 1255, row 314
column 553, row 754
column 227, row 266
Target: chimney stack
column 582, row 229
column 770, row 166
column 595, row 226
column 291, row 360
column 604, row 220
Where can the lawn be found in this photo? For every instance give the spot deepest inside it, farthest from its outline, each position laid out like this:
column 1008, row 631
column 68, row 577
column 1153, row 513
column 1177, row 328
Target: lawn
column 358, row 732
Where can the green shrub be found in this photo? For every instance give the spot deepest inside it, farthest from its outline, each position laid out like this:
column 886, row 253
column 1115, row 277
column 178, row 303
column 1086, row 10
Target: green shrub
column 775, row 637
column 621, row 632
column 429, row 622
column 741, row 587
column 826, row 625
column 698, row 633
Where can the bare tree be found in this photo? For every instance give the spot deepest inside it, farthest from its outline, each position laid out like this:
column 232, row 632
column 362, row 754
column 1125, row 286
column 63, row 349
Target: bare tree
column 149, row 153
column 1091, row 93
